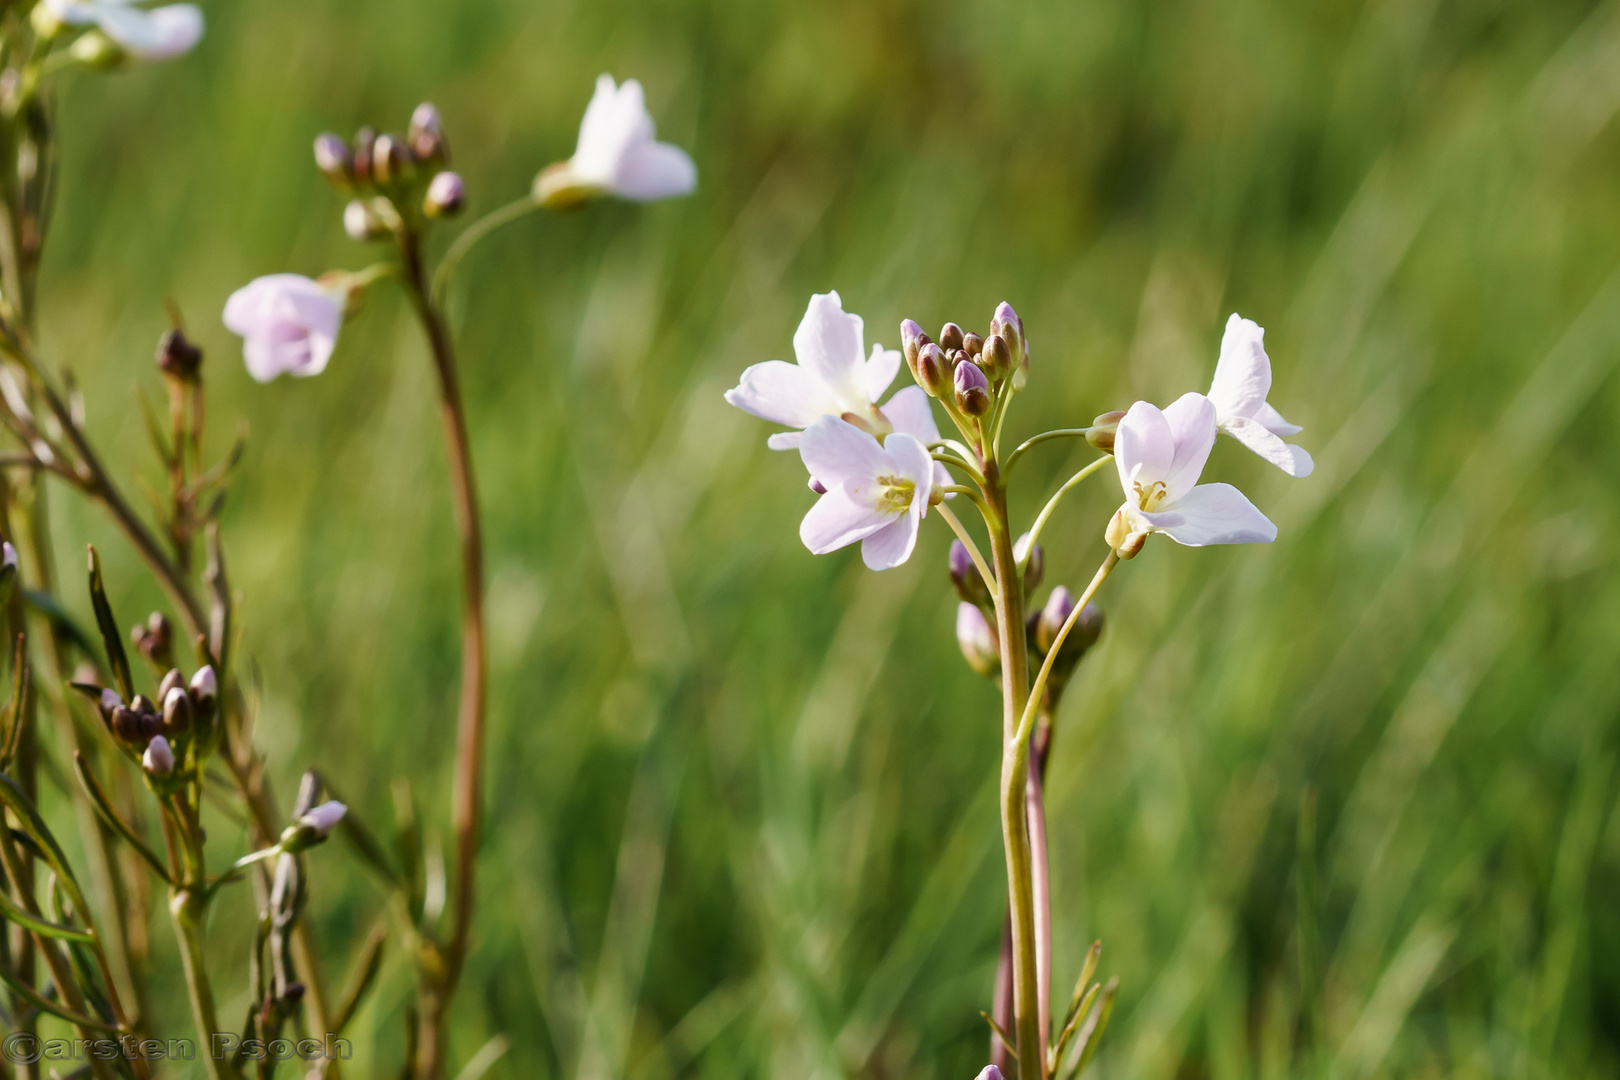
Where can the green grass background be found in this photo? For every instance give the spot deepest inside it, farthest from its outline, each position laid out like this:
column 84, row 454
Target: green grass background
column 740, row 815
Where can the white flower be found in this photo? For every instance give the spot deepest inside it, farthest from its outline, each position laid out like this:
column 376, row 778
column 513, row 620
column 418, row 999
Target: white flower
column 160, row 33
column 289, row 322
column 617, row 154
column 833, row 377
column 324, row 818
column 1160, row 456
column 1242, row 381
column 977, row 639
column 876, row 493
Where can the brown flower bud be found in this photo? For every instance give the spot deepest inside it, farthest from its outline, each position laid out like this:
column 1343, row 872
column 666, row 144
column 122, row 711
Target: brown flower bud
column 172, row 679
column 972, row 390
column 127, row 726
column 950, row 337
column 426, row 135
column 176, row 713
column 335, row 160
column 178, row 357
column 933, row 370
column 1101, row 432
column 972, row 344
column 996, row 357
column 390, row 160
column 365, row 141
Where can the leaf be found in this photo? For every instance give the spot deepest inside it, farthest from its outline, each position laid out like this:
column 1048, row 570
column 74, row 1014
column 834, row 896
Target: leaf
column 104, row 808
column 45, row 1004
column 19, row 696
column 1091, row 1035
column 112, row 639
column 365, row 973
column 14, row 912
column 34, row 825
column 1000, row 1034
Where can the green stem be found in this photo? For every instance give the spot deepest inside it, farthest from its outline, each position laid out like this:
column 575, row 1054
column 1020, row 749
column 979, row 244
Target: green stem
column 187, row 907
column 1045, row 436
column 967, row 542
column 467, row 240
column 1051, row 504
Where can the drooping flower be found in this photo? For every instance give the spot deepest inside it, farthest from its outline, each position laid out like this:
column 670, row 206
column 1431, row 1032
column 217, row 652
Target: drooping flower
column 833, row 377
column 877, row 493
column 617, row 154
column 289, row 324
column 150, row 34
column 1242, row 381
column 1160, row 456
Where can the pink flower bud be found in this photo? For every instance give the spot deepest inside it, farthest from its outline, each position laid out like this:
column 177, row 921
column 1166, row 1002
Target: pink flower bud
column 158, row 759
column 444, row 195
column 204, row 687
column 972, row 389
column 977, row 640
column 324, row 818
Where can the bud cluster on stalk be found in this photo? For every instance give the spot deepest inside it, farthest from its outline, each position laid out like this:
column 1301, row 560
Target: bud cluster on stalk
column 180, row 725
column 965, row 368
column 393, row 177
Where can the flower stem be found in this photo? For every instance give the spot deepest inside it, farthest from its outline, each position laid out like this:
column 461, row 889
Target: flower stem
column 467, row 798
column 187, row 908
column 1045, row 436
column 1057, row 496
column 967, row 542
column 469, row 238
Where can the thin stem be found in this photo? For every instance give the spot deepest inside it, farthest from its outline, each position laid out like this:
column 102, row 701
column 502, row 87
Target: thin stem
column 1045, row 436
column 1068, row 485
column 958, row 463
column 1026, row 721
column 469, row 238
column 186, row 906
column 467, row 807
column 971, row 494
column 972, row 548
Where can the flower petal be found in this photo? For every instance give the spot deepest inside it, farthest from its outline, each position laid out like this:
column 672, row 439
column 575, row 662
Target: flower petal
column 828, row 345
column 1213, row 514
column 1144, row 446
column 1192, row 425
column 1293, row 460
column 654, row 170
column 881, row 368
column 836, row 451
column 1273, row 421
column 784, row 440
column 891, row 545
column 908, row 412
column 783, row 393
column 838, row 519
column 916, row 465
column 615, row 120
column 1243, row 373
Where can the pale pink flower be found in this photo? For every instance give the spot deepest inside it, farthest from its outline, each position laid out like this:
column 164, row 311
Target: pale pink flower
column 289, row 324
column 877, row 493
column 324, row 818
column 1242, row 382
column 151, row 34
column 617, row 153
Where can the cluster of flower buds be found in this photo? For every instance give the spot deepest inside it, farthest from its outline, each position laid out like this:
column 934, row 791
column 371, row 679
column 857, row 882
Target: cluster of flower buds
column 391, row 175
column 154, row 639
column 975, row 632
column 160, row 733
column 963, row 366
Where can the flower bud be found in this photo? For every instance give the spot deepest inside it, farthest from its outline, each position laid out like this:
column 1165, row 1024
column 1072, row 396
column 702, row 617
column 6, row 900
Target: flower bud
column 127, row 725
column 172, row 679
column 155, row 641
column 110, row 702
column 365, row 141
column 972, row 390
column 995, row 357
column 1101, row 432
column 912, row 339
column 444, row 195
column 178, row 357
column 361, row 222
column 96, row 51
column 1127, row 544
column 950, row 337
column 8, row 558
column 933, row 370
column 1007, row 324
column 335, row 160
column 204, row 687
column 972, row 344
column 817, row 486
column 426, row 134
column 176, row 712
column 313, row 827
column 977, row 640
column 1033, row 556
column 989, row 1072
column 158, row 759
column 1056, row 612
column 390, row 160
column 966, row 577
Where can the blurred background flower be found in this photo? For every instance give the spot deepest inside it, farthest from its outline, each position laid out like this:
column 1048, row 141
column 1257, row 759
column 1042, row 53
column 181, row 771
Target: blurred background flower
column 741, row 812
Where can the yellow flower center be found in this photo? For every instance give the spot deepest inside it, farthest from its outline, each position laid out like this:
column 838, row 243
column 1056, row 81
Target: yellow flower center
column 1150, row 497
column 894, row 494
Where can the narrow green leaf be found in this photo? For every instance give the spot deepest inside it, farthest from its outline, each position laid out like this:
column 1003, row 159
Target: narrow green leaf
column 34, row 825
column 104, row 808
column 112, row 639
column 1000, row 1034
column 365, row 973
column 14, row 714
column 45, row 1004
column 1091, row 1036
column 14, row 912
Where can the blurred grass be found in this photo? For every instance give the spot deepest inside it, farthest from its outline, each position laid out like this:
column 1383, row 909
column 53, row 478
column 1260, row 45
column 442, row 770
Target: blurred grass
column 739, row 816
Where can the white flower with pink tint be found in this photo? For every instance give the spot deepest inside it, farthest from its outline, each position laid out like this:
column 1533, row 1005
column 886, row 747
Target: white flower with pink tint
column 617, row 154
column 289, row 325
column 324, row 818
column 876, row 493
column 1160, row 456
column 833, row 377
column 1239, row 390
column 150, row 34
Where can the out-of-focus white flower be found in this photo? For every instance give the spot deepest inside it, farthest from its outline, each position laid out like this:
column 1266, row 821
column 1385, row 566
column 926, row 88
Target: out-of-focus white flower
column 833, row 377
column 159, row 758
column 1160, row 456
column 876, row 493
column 617, row 154
column 1242, row 381
column 289, row 324
column 150, row 34
column 8, row 556
column 324, row 818
column 977, row 639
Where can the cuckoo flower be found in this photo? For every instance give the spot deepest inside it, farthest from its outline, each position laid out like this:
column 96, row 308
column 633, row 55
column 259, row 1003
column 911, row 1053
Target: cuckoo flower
column 617, row 154
column 160, row 33
column 877, row 493
column 833, row 378
column 1242, row 381
column 1160, row 456
column 289, row 322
